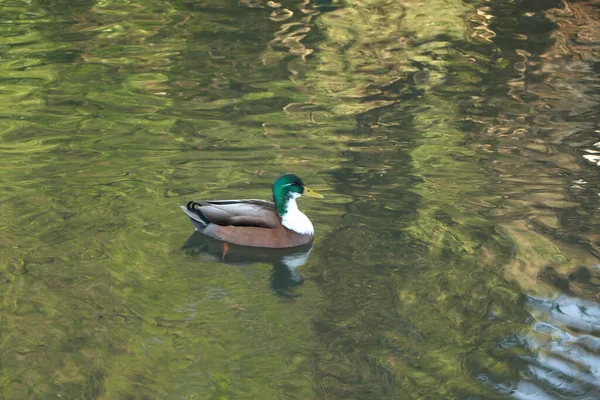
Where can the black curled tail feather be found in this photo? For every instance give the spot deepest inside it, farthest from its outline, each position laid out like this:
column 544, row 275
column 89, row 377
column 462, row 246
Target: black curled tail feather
column 193, row 207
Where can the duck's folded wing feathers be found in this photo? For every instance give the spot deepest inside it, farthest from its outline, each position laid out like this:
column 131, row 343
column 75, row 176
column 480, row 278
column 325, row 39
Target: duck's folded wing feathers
column 258, row 213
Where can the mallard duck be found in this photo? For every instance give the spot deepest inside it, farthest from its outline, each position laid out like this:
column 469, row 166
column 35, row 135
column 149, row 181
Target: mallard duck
column 257, row 223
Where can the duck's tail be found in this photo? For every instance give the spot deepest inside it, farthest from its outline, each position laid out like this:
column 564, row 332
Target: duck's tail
column 198, row 219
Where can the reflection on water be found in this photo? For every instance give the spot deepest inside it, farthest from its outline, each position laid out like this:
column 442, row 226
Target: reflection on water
column 286, row 262
column 560, row 356
column 456, row 143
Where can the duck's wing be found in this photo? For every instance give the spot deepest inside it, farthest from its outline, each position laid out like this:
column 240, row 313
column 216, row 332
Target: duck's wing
column 251, row 213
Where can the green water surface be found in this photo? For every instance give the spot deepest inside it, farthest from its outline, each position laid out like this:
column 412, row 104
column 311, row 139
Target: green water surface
column 457, row 248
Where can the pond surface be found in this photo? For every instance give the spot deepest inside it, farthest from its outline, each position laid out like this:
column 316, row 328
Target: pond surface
column 457, row 252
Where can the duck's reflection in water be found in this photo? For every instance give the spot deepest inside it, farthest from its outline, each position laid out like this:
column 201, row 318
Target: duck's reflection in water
column 560, row 354
column 285, row 276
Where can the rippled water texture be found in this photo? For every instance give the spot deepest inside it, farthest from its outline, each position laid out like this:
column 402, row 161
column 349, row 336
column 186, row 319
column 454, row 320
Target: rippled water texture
column 457, row 253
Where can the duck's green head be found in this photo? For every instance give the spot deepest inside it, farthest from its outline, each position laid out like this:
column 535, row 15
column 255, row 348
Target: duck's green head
column 289, row 187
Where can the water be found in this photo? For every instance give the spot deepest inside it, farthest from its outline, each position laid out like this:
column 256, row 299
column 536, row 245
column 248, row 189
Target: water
column 456, row 253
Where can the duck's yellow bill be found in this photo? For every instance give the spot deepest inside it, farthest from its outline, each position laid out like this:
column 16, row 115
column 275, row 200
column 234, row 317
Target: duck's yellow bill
column 311, row 193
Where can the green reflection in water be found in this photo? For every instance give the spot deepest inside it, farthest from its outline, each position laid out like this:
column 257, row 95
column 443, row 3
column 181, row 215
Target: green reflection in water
column 409, row 316
column 98, row 299
column 114, row 113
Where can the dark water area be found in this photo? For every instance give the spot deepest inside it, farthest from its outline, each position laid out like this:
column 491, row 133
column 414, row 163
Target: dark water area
column 456, row 255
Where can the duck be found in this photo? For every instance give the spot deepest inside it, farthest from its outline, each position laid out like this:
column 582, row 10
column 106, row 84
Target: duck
column 257, row 223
